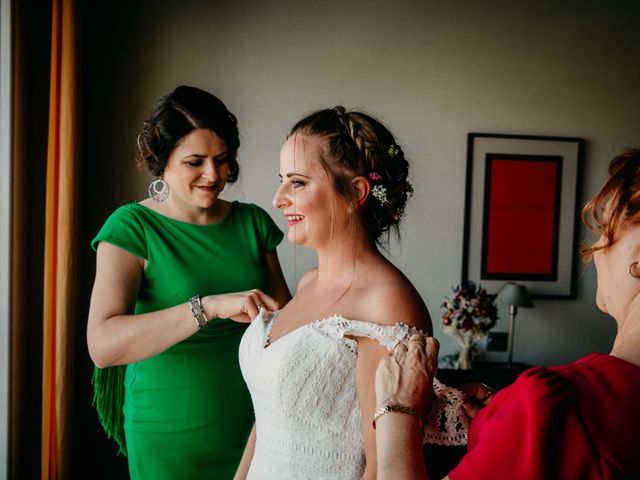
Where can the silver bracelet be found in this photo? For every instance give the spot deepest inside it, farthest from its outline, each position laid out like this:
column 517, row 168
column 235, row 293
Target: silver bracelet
column 197, row 310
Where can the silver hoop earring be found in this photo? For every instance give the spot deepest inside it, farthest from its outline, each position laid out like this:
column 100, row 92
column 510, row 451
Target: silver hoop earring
column 631, row 268
column 159, row 190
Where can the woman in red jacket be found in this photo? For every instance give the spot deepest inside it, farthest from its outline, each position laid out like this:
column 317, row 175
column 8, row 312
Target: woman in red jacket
column 579, row 421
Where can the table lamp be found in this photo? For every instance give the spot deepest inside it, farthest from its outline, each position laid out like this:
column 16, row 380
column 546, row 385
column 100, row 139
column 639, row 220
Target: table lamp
column 515, row 296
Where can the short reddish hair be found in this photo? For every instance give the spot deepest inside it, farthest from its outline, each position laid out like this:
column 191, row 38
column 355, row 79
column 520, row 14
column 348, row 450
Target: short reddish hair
column 622, row 189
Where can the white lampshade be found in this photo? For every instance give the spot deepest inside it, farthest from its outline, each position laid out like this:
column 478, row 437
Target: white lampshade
column 514, row 294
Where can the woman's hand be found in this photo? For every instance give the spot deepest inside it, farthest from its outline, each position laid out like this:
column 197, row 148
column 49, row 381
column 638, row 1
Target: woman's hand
column 477, row 396
column 241, row 307
column 404, row 377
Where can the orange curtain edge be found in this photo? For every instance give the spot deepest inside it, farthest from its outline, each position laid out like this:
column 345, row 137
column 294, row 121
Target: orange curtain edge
column 49, row 421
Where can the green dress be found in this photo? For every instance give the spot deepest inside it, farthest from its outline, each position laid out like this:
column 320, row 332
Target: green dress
column 187, row 411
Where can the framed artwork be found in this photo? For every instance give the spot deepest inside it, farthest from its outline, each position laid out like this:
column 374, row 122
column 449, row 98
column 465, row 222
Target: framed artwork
column 521, row 212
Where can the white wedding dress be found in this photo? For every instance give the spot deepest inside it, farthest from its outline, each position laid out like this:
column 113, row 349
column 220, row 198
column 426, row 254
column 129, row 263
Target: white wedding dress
column 303, row 387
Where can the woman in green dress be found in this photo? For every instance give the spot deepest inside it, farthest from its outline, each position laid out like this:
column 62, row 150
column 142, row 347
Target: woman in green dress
column 178, row 276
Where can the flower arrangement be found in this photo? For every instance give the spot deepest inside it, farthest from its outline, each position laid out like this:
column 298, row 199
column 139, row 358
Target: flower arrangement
column 467, row 316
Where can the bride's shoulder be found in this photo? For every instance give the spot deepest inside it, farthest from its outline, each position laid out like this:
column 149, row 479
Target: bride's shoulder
column 389, row 299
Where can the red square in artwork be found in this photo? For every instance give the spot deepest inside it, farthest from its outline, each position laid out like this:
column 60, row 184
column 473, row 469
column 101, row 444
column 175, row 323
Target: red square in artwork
column 521, row 217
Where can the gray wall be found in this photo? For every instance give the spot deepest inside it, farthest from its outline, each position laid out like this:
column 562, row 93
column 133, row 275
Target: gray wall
column 431, row 70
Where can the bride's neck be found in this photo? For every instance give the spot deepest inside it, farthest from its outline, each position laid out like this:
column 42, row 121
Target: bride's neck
column 342, row 260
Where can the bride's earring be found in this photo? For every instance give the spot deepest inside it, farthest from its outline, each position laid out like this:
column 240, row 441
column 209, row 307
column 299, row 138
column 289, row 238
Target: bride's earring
column 159, row 190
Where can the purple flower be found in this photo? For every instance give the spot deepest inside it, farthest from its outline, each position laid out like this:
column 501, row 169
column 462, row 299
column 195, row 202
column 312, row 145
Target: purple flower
column 374, row 176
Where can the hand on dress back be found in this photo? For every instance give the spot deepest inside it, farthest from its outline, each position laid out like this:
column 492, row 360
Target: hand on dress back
column 405, row 376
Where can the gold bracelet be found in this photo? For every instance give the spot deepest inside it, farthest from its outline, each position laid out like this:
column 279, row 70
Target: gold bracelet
column 197, row 310
column 395, row 408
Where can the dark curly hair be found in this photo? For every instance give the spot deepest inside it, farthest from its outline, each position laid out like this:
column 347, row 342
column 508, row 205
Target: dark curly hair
column 359, row 145
column 176, row 115
column 622, row 188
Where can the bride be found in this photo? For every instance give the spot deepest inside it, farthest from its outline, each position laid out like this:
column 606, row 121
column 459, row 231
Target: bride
column 310, row 367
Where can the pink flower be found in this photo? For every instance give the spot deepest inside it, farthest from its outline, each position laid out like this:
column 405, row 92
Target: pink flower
column 374, row 176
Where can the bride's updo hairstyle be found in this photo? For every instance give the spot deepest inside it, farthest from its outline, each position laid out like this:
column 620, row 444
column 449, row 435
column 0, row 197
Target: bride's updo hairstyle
column 176, row 115
column 621, row 195
column 359, row 145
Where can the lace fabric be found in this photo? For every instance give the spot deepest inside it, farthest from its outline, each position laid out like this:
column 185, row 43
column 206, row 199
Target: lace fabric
column 446, row 423
column 303, row 387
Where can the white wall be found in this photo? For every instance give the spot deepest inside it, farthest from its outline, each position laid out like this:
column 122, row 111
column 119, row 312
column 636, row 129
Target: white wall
column 431, row 70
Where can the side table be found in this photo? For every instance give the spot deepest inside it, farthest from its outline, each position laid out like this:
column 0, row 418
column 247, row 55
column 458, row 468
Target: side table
column 495, row 374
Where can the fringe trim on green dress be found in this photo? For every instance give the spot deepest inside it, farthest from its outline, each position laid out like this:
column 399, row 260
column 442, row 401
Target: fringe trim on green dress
column 108, row 398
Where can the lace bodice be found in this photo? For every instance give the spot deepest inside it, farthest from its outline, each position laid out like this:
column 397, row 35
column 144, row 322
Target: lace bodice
column 304, row 395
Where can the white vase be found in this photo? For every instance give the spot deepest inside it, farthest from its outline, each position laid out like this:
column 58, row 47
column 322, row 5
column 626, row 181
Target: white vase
column 464, row 357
